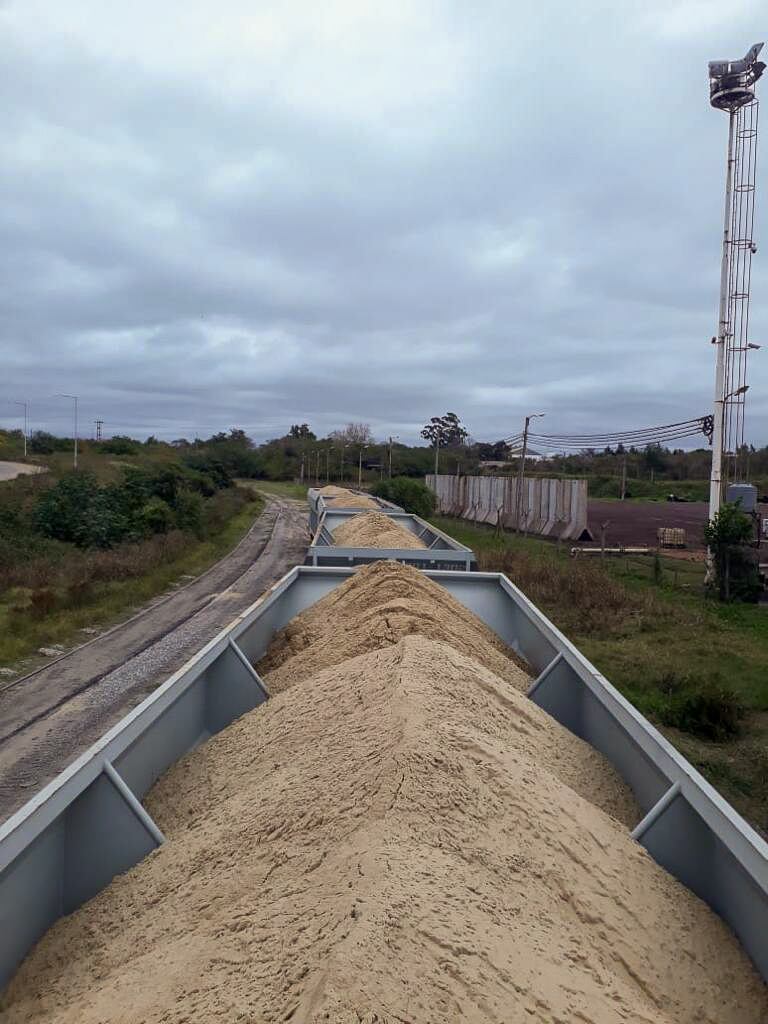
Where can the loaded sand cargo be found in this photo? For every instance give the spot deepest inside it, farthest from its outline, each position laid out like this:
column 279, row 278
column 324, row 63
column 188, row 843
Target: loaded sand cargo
column 331, row 497
column 442, row 813
column 348, row 537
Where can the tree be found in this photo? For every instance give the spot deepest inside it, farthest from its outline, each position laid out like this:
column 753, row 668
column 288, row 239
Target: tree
column 654, row 459
column 302, row 431
column 354, row 434
column 729, row 535
column 445, row 431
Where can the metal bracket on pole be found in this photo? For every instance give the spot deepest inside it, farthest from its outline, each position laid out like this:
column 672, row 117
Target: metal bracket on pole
column 546, row 671
column 656, row 811
column 130, row 798
column 251, row 670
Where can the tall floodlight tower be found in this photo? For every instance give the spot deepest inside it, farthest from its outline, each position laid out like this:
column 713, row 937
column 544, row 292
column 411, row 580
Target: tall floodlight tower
column 732, row 89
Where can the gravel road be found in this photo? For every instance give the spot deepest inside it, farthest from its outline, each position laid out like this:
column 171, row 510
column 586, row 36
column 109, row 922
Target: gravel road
column 47, row 719
column 10, row 470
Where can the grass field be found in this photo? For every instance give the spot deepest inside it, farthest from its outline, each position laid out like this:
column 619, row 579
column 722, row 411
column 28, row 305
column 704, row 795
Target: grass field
column 695, row 667
column 108, row 601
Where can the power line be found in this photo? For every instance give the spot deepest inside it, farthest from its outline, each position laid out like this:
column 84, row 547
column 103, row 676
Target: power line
column 637, row 437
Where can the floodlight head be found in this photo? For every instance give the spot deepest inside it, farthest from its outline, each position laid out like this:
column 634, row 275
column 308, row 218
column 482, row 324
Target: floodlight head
column 732, row 83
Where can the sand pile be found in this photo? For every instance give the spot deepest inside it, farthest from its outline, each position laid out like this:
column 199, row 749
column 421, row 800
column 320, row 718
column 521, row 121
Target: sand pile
column 374, row 530
column 392, row 840
column 378, row 606
column 341, row 497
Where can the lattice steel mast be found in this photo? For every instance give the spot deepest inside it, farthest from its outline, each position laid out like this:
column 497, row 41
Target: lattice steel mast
column 732, row 88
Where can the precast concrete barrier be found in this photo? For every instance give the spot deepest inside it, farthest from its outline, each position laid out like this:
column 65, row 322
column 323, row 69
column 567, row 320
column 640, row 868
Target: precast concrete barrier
column 88, row 825
column 550, row 508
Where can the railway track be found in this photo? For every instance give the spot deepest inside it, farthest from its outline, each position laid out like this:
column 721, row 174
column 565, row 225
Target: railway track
column 50, row 715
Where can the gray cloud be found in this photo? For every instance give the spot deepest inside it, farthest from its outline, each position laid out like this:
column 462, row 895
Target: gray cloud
column 217, row 217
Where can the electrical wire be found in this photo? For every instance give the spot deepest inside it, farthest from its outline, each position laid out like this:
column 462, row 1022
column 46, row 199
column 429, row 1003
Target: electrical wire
column 639, row 437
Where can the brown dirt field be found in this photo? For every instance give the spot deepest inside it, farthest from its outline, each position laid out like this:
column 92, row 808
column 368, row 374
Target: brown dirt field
column 636, row 522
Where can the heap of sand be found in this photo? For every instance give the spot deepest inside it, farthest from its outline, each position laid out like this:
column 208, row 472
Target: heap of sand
column 344, row 498
column 393, row 839
column 377, row 606
column 374, row 530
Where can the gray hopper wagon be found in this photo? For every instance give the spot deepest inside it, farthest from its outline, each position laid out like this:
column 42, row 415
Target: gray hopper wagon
column 319, row 503
column 439, row 552
column 89, row 825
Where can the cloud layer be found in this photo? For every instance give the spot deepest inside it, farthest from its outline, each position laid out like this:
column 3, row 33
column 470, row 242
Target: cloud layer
column 216, row 217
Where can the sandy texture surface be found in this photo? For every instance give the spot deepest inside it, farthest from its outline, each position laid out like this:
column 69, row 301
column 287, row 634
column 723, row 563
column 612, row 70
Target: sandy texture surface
column 397, row 839
column 341, row 497
column 378, row 606
column 374, row 530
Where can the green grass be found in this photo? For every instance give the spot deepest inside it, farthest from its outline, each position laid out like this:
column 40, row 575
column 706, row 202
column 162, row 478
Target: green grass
column 281, row 488
column 654, row 640
column 109, row 601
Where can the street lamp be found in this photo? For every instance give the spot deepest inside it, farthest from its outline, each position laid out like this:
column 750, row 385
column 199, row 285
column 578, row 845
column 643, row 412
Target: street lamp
column 24, row 406
column 60, row 394
column 341, row 472
column 360, row 467
column 521, row 475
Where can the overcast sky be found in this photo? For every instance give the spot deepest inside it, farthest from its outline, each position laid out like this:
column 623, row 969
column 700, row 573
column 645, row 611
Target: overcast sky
column 237, row 213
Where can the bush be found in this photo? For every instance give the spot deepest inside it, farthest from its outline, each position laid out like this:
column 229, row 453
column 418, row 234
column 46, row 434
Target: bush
column 409, row 494
column 189, row 512
column 119, row 445
column 156, row 516
column 705, row 707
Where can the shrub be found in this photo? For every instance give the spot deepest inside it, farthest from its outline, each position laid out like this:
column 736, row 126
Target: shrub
column 409, row 494
column 42, row 603
column 189, row 512
column 119, row 445
column 706, row 707
column 156, row 516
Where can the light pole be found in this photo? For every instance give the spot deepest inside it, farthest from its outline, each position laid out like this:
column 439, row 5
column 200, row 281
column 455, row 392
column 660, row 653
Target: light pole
column 24, row 406
column 59, row 394
column 341, row 474
column 521, row 474
column 328, row 465
column 396, row 437
column 360, row 467
column 732, row 90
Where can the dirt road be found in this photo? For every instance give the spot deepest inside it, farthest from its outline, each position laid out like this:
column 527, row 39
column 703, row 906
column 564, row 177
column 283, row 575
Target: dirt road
column 50, row 717
column 10, row 470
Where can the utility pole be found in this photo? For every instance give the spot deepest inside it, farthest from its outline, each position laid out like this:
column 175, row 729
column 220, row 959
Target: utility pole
column 327, row 465
column 437, row 456
column 317, row 467
column 301, row 476
column 360, row 467
column 99, row 425
column 624, row 477
column 521, row 474
column 74, row 399
column 715, row 480
column 341, row 477
column 24, row 405
column 391, row 439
